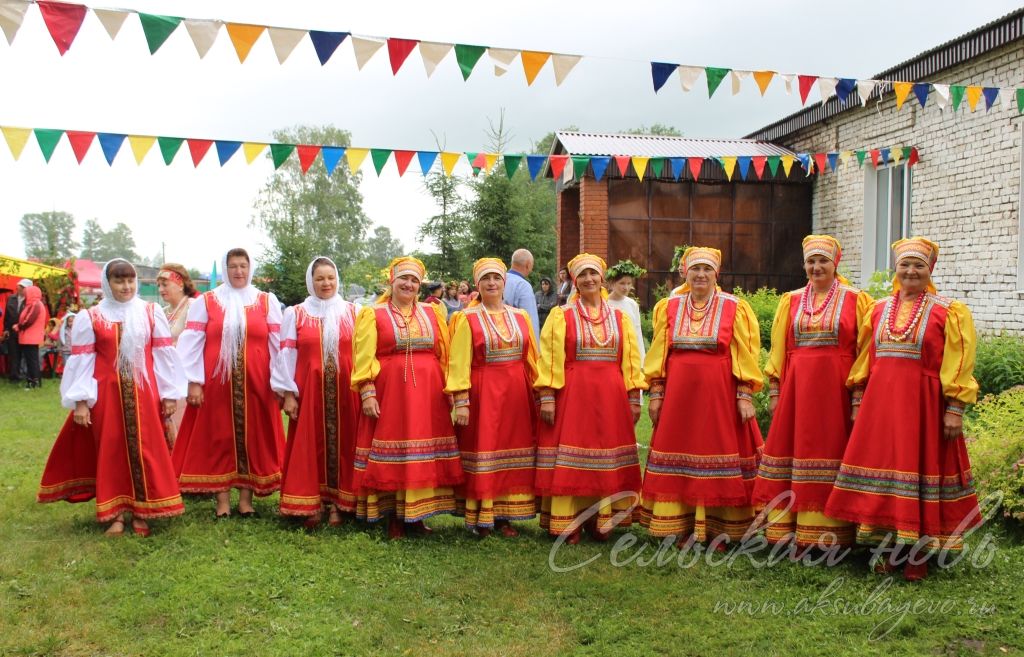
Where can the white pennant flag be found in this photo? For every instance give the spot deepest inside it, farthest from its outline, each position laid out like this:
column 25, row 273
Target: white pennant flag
column 563, row 65
column 365, row 49
column 432, row 54
column 284, row 41
column 203, row 33
column 788, row 79
column 827, row 88
column 112, row 20
column 864, row 89
column 503, row 59
column 941, row 95
column 12, row 13
column 688, row 76
column 737, row 79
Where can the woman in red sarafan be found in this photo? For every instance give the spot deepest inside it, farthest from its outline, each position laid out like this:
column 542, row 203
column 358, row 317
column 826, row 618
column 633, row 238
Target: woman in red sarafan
column 112, row 445
column 491, row 370
column 814, row 346
column 312, row 372
column 407, row 457
column 231, row 435
column 905, row 478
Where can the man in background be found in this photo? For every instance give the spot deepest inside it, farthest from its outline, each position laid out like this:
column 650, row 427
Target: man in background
column 518, row 291
column 12, row 312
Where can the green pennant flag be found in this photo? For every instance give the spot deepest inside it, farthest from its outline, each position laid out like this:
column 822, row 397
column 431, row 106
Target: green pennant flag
column 469, row 158
column 157, row 28
column 906, row 153
column 169, row 147
column 1020, row 101
column 468, row 56
column 715, row 77
column 511, row 164
column 656, row 166
column 280, row 152
column 579, row 166
column 957, row 92
column 380, row 158
column 860, row 158
column 773, row 164
column 47, row 140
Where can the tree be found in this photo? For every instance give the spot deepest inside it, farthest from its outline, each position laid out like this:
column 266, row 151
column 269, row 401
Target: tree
column 305, row 215
column 382, row 248
column 119, row 243
column 92, row 240
column 448, row 231
column 47, row 236
column 656, row 129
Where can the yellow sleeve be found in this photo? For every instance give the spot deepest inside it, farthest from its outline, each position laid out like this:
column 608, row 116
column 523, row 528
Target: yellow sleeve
column 531, row 348
column 745, row 347
column 632, row 368
column 442, row 344
column 365, row 366
column 858, row 377
column 780, row 332
column 957, row 369
column 460, row 362
column 654, row 362
column 551, row 369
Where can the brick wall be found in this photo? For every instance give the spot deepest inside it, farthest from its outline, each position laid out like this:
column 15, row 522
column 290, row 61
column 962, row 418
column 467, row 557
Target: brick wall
column 965, row 190
column 567, row 226
column 594, row 217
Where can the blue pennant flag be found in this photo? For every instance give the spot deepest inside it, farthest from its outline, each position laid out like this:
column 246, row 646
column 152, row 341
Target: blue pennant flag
column 844, row 88
column 833, row 160
column 921, row 91
column 991, row 93
column 677, row 164
column 535, row 163
column 225, row 149
column 111, row 144
column 805, row 161
column 884, row 159
column 325, row 43
column 599, row 165
column 660, row 73
column 427, row 159
column 331, row 155
column 744, row 162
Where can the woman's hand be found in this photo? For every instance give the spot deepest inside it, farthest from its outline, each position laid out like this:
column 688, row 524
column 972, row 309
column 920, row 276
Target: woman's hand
column 462, row 415
column 195, row 394
column 746, row 410
column 371, row 408
column 170, row 407
column 773, row 402
column 82, row 416
column 654, row 410
column 547, row 411
column 290, row 406
column 952, row 425
column 635, row 410
column 853, row 413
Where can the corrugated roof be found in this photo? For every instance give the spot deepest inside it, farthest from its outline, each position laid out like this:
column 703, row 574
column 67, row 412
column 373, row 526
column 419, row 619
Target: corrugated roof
column 588, row 143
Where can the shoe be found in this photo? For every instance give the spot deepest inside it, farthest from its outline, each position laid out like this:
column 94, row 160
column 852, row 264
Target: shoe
column 249, row 514
column 882, row 565
column 311, row 522
column 915, row 572
column 483, row 532
column 221, row 516
column 335, row 519
column 419, row 528
column 142, row 531
column 574, row 537
column 507, row 530
column 396, row 528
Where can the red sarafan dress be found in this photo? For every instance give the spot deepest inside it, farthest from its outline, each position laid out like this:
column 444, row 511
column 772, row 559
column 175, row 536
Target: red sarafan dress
column 121, row 459
column 407, row 460
column 812, row 354
column 899, row 474
column 591, row 365
column 235, row 438
column 703, row 459
column 318, row 460
column 492, row 367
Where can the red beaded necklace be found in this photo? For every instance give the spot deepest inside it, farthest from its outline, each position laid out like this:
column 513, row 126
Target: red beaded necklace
column 899, row 335
column 808, row 298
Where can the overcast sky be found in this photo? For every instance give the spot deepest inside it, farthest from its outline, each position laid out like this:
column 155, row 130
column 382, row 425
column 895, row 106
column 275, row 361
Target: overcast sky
column 117, row 86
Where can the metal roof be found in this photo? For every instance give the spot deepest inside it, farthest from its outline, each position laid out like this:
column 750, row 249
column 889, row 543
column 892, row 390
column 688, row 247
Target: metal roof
column 587, row 143
column 975, row 43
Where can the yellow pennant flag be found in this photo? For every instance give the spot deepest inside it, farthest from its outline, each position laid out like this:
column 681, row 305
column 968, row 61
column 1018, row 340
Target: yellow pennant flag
column 16, row 139
column 845, row 156
column 252, row 150
column 973, row 95
column 140, row 146
column 489, row 160
column 729, row 164
column 902, row 90
column 355, row 157
column 448, row 161
column 763, row 79
column 532, row 63
column 787, row 164
column 896, row 154
column 243, row 37
column 640, row 165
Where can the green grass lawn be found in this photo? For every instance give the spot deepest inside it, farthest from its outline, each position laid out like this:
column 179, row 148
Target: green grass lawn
column 263, row 587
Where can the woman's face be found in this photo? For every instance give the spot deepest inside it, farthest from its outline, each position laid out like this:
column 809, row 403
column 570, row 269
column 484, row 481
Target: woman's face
column 405, row 289
column 71, row 321
column 325, row 281
column 545, row 287
column 123, row 288
column 702, row 279
column 589, row 282
column 913, row 275
column 820, row 269
column 622, row 287
column 563, row 275
column 464, row 287
column 452, row 291
column 491, row 286
column 169, row 290
column 238, row 271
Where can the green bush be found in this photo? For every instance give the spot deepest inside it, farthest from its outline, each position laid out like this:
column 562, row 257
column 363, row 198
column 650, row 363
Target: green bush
column 995, row 442
column 647, row 326
column 764, row 418
column 1000, row 363
column 880, row 284
column 764, row 302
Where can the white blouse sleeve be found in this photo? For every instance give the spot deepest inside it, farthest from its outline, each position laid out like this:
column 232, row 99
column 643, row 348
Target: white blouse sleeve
column 192, row 342
column 634, row 314
column 282, row 373
column 79, row 383
column 273, row 325
column 170, row 373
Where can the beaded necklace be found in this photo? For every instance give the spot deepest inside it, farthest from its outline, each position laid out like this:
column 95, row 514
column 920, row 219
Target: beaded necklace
column 602, row 318
column 694, row 317
column 397, row 314
column 808, row 299
column 509, row 322
column 891, row 331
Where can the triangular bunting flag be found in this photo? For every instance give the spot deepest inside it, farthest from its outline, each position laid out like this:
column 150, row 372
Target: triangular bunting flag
column 833, row 160
column 821, row 161
column 490, row 159
column 763, row 79
column 864, row 89
column 226, row 149
column 203, row 34
column 307, row 155
column 640, row 165
column 991, row 95
column 365, row 49
column 660, row 72
column 533, row 62
column 657, row 166
column 511, row 163
column 744, row 164
column 805, row 163
column 688, row 76
column 398, row 52
column 280, row 153
column 715, row 77
column 860, row 157
column 427, row 159
column 973, row 96
column 676, row 165
column 402, row 159
column 252, row 150
column 12, row 13
column 157, row 28
column 16, row 139
column 759, row 161
column 1020, row 100
column 773, row 164
column 788, row 79
column 63, row 20
column 957, row 93
column 579, row 166
column 503, row 58
column 941, row 95
column 198, row 148
column 332, row 155
column 844, row 88
column 380, row 158
column 622, row 164
column 80, row 143
column 140, row 144
column 729, row 164
column 47, row 140
column 355, row 158
column 873, row 153
column 737, row 78
column 827, row 88
column 897, row 155
column 883, row 155
column 902, row 90
column 448, row 162
column 284, row 41
column 562, row 66
column 432, row 54
column 476, row 161
column 598, row 166
column 325, row 43
column 787, row 164
column 913, row 158
column 805, row 82
column 169, row 147
column 557, row 163
column 921, row 92
column 111, row 19
column 844, row 157
column 243, row 37
column 535, row 163
column 468, row 56
column 695, row 164
column 110, row 144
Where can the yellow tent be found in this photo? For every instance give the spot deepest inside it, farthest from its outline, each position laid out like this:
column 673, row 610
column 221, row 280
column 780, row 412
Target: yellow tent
column 18, row 268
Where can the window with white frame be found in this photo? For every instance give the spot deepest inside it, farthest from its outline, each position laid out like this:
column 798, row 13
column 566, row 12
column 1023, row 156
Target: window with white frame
column 886, row 215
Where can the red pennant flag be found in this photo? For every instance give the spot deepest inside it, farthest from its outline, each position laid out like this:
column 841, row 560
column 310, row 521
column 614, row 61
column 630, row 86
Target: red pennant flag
column 622, row 161
column 695, row 163
column 913, row 159
column 478, row 162
column 63, row 20
column 307, row 154
column 402, row 159
column 398, row 51
column 821, row 160
column 198, row 148
column 557, row 165
column 874, row 157
column 759, row 161
column 80, row 142
column 806, row 82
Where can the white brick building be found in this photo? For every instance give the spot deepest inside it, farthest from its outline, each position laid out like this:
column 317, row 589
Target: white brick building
column 966, row 191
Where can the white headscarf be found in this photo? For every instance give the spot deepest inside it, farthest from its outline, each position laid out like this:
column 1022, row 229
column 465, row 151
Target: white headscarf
column 63, row 334
column 233, row 300
column 335, row 313
column 131, row 353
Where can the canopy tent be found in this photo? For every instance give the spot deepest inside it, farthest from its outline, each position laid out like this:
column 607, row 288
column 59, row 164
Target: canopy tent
column 13, row 270
column 88, row 274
